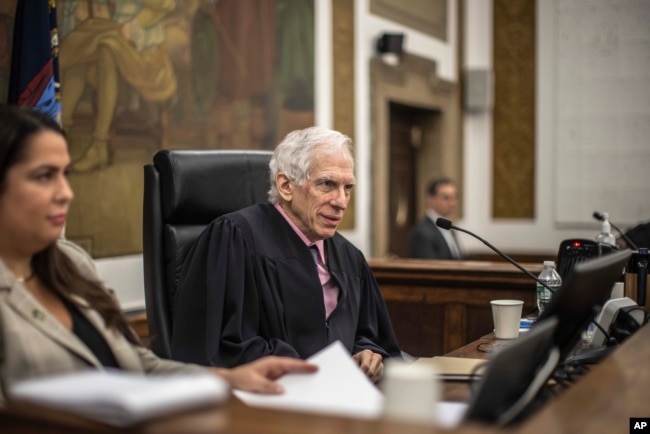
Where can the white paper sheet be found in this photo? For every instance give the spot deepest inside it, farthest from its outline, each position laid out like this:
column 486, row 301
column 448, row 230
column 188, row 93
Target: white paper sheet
column 338, row 388
column 120, row 398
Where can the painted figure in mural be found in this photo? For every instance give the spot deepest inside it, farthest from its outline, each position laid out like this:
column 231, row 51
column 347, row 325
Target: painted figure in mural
column 263, row 52
column 247, row 50
column 296, row 65
column 296, row 46
column 119, row 40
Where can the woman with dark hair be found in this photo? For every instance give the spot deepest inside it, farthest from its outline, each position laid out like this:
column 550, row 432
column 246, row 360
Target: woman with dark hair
column 57, row 316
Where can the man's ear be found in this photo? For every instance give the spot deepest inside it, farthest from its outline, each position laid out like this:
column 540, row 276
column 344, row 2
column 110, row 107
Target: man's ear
column 285, row 186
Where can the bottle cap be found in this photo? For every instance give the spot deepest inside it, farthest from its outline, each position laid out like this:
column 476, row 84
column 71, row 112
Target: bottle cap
column 606, row 227
column 549, row 263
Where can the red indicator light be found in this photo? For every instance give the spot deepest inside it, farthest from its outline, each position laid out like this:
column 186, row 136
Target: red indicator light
column 576, row 244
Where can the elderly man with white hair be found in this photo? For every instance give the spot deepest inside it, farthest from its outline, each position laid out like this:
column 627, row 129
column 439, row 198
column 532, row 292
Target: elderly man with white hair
column 281, row 279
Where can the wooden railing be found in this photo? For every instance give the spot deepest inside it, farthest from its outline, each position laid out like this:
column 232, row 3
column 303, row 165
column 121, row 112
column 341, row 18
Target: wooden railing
column 439, row 306
column 436, row 306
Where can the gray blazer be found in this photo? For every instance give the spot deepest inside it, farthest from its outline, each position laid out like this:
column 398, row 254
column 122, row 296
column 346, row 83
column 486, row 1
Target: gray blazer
column 37, row 344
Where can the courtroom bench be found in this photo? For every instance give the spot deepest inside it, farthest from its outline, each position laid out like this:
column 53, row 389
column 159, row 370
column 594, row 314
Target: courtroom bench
column 603, row 401
column 437, row 306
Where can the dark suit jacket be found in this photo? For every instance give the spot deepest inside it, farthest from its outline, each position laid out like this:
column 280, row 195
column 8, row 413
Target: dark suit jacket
column 427, row 242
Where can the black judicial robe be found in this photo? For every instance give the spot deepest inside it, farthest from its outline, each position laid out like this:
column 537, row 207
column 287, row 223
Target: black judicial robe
column 250, row 288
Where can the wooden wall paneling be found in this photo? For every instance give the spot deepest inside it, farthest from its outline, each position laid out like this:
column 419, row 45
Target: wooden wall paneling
column 343, row 81
column 455, row 325
column 438, row 306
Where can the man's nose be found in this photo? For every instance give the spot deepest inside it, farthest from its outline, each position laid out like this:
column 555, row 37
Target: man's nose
column 340, row 198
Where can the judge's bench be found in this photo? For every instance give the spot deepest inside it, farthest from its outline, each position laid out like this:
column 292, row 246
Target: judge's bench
column 437, row 307
column 603, row 401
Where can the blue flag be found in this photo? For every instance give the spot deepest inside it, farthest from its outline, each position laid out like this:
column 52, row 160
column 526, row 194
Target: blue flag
column 34, row 76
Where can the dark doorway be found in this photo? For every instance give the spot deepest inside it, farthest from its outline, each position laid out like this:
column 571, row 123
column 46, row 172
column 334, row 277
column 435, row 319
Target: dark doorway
column 407, row 126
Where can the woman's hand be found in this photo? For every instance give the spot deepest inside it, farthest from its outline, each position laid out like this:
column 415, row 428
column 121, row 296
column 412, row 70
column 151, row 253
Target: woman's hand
column 259, row 376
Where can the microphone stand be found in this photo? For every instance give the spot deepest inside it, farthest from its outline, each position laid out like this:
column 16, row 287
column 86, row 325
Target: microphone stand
column 625, row 237
column 494, row 249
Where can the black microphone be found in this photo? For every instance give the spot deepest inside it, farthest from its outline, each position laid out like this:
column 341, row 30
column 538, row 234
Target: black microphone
column 601, row 217
column 444, row 223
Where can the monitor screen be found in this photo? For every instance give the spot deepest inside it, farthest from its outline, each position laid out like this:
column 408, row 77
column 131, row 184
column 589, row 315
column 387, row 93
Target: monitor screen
column 583, row 294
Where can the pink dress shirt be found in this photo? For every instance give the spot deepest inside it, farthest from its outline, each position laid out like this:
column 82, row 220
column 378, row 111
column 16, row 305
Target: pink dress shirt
column 330, row 288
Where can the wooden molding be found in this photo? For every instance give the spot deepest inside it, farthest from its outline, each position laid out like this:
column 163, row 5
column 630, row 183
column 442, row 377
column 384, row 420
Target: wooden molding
column 343, row 81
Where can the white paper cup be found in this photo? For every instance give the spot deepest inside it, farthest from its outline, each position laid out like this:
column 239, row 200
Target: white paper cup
column 506, row 315
column 410, row 391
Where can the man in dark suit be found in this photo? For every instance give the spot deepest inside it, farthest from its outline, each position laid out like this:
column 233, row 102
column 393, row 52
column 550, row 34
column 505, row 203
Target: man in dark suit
column 427, row 241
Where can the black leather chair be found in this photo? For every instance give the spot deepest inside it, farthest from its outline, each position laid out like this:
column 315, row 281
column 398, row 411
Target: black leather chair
column 184, row 191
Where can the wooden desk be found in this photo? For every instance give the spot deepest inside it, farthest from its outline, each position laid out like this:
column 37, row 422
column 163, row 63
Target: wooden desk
column 438, row 306
column 602, row 401
column 138, row 322
column 232, row 418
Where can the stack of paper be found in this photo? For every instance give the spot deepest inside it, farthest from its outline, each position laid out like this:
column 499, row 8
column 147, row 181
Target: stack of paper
column 120, row 398
column 338, row 387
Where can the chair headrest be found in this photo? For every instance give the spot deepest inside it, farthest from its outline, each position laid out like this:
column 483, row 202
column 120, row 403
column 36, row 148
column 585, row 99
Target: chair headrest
column 199, row 185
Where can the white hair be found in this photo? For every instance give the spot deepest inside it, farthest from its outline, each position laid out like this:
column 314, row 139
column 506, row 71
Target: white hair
column 293, row 156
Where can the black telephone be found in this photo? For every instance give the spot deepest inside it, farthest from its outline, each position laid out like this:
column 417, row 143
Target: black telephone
column 572, row 251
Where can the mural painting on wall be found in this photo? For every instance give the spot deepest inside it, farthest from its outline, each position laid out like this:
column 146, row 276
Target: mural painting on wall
column 138, row 76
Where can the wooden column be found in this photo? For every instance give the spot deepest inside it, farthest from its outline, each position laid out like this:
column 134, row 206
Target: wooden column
column 343, row 80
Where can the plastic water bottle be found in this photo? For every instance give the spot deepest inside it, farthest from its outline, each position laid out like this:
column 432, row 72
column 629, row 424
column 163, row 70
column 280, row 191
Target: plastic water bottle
column 552, row 279
column 605, row 236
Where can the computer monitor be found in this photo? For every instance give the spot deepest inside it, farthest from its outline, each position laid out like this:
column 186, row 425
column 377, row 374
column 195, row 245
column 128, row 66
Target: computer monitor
column 583, row 294
column 517, row 373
